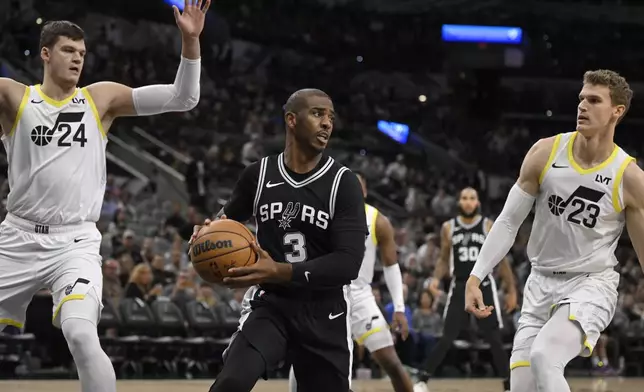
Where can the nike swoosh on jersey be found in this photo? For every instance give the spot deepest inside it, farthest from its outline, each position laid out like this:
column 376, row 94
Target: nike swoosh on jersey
column 554, row 165
column 269, row 185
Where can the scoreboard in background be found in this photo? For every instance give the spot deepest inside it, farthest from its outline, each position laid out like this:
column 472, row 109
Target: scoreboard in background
column 483, row 47
column 482, row 34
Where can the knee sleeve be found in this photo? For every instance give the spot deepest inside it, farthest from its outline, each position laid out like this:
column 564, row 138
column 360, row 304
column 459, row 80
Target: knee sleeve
column 82, row 337
column 522, row 380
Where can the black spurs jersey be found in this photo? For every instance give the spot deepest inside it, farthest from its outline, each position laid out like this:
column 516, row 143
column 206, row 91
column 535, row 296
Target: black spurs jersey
column 304, row 218
column 467, row 240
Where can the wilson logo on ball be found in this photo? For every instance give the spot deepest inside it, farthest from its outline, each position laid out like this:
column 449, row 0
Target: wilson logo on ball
column 208, row 245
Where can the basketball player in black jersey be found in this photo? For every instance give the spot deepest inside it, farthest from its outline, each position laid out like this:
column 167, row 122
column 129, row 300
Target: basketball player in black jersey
column 461, row 240
column 311, row 230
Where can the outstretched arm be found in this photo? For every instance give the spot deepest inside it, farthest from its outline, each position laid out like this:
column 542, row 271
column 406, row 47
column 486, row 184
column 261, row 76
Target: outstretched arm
column 516, row 209
column 116, row 100
column 633, row 185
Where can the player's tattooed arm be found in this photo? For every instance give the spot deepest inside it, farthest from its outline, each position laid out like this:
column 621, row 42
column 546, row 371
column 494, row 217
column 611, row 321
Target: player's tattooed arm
column 633, row 196
column 117, row 100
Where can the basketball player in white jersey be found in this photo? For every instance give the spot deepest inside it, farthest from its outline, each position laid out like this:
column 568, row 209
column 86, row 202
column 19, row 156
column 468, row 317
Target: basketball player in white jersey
column 55, row 138
column 368, row 326
column 586, row 190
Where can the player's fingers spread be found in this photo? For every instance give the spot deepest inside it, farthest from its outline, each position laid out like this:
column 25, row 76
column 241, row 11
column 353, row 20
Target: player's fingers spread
column 176, row 13
column 205, row 8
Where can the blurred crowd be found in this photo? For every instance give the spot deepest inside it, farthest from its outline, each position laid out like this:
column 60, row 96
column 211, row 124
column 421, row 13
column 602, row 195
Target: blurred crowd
column 244, row 85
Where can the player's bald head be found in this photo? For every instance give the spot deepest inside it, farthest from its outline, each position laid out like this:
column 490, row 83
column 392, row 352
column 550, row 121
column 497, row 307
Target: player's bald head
column 299, row 100
column 469, row 192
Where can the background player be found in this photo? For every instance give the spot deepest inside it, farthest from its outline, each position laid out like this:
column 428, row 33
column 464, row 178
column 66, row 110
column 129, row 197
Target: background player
column 461, row 240
column 55, row 138
column 368, row 325
column 311, row 227
column 586, row 189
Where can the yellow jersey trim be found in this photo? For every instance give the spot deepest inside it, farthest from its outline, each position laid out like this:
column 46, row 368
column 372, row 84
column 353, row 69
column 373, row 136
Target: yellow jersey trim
column 90, row 100
column 551, row 158
column 374, row 237
column 585, row 342
column 21, row 108
column 581, row 170
column 617, row 181
column 67, row 298
column 12, row 322
column 520, row 364
column 52, row 101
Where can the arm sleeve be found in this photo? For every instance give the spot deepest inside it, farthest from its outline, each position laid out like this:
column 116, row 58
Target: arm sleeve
column 503, row 232
column 181, row 96
column 348, row 235
column 240, row 206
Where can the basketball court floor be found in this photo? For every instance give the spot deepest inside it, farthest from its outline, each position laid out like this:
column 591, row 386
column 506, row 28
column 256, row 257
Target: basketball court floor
column 478, row 385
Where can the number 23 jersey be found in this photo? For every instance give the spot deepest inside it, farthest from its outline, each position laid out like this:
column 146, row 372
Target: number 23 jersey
column 56, row 154
column 579, row 212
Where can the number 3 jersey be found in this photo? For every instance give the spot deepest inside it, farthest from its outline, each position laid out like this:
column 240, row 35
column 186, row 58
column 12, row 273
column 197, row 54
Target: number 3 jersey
column 56, row 154
column 579, row 212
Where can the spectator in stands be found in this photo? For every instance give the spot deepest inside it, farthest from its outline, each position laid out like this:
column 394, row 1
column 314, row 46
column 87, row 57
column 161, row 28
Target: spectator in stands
column 397, row 170
column 207, row 295
column 112, row 288
column 176, row 219
column 159, row 273
column 428, row 324
column 140, row 284
column 129, row 246
column 252, row 150
column 183, row 291
column 147, row 250
column 442, row 204
column 235, row 303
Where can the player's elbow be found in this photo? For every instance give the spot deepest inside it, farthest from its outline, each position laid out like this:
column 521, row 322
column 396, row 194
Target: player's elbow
column 188, row 102
column 354, row 262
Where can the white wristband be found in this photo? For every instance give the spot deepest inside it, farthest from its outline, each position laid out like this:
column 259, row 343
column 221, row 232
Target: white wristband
column 393, row 279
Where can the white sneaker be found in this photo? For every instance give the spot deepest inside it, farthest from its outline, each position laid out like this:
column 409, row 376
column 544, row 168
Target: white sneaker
column 421, row 387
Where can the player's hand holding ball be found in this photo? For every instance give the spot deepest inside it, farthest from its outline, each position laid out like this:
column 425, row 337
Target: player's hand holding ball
column 265, row 270
column 474, row 299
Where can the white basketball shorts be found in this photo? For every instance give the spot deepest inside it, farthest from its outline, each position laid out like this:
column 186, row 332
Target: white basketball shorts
column 368, row 326
column 592, row 298
column 64, row 259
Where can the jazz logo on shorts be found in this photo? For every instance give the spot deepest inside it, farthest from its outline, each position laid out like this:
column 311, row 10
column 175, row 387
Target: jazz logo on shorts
column 70, row 288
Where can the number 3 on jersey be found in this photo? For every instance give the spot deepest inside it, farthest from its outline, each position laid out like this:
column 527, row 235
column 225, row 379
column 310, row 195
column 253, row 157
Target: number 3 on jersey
column 297, row 241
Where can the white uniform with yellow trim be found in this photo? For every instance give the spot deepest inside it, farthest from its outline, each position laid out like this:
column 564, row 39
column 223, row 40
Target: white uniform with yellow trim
column 56, row 154
column 368, row 325
column 578, row 221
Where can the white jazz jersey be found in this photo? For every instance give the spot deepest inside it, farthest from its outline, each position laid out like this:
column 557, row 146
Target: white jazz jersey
column 579, row 212
column 56, row 153
column 361, row 286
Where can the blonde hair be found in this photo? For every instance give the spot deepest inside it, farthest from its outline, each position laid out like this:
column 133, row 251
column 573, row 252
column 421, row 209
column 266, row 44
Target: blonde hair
column 620, row 91
column 135, row 275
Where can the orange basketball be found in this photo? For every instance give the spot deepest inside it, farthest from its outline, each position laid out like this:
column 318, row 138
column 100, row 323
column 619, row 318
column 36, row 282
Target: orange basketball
column 222, row 245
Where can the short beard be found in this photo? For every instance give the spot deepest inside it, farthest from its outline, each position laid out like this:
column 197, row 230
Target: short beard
column 472, row 214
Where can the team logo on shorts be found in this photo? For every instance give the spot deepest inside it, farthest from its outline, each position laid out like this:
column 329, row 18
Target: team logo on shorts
column 290, row 212
column 70, row 287
column 583, row 200
column 370, row 323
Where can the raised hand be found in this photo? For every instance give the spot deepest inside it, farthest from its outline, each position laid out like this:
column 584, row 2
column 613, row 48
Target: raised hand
column 191, row 21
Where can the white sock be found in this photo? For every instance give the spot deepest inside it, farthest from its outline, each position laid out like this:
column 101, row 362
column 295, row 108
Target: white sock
column 292, row 383
column 522, row 380
column 558, row 342
column 95, row 369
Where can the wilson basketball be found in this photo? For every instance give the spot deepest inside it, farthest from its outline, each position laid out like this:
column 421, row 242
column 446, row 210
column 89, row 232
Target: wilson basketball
column 222, row 245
